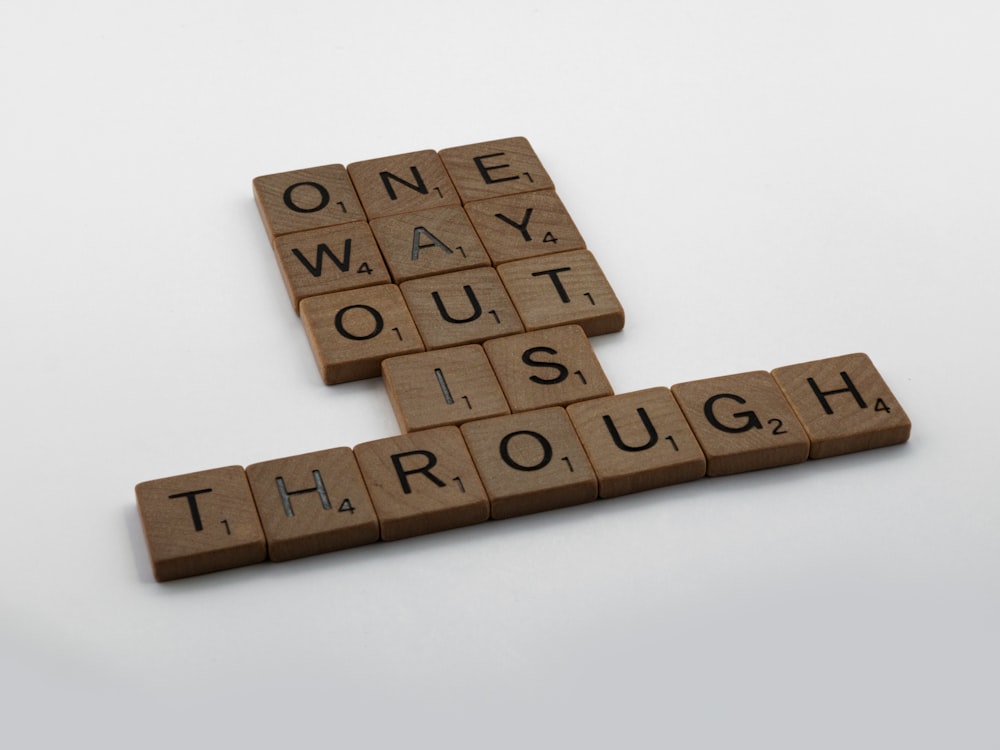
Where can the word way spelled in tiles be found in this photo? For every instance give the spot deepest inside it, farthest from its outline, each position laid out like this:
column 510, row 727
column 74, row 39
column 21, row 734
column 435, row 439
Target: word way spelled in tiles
column 460, row 278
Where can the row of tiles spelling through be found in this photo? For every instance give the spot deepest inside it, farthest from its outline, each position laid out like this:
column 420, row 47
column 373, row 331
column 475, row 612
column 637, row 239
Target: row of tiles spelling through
column 524, row 462
column 436, row 225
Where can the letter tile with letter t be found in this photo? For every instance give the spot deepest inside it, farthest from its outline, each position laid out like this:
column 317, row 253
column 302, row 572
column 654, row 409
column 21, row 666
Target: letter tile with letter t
column 743, row 422
column 201, row 522
column 844, row 405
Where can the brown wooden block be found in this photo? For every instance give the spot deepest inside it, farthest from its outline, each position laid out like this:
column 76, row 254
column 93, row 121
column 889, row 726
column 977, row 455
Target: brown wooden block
column 563, row 289
column 442, row 387
column 306, row 199
column 844, row 405
column 637, row 441
column 424, row 243
column 521, row 226
column 200, row 523
column 402, row 183
column 551, row 367
column 352, row 332
column 422, row 482
column 530, row 462
column 464, row 307
column 330, row 259
column 494, row 168
column 743, row 422
column 312, row 503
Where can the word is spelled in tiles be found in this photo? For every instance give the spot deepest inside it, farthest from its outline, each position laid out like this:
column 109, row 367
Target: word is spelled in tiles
column 461, row 279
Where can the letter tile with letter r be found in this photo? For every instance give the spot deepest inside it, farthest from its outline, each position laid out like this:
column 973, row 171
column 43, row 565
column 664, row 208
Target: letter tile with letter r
column 743, row 422
column 422, row 482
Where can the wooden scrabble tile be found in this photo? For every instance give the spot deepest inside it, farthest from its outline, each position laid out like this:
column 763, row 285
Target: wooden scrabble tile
column 351, row 332
column 422, row 482
column 530, row 462
column 402, row 183
column 442, row 387
column 424, row 243
column 464, row 307
column 844, row 405
column 637, row 441
column 563, row 289
column 306, row 199
column 743, row 422
column 520, row 226
column 552, row 367
column 494, row 168
column 200, row 523
column 312, row 503
column 330, row 259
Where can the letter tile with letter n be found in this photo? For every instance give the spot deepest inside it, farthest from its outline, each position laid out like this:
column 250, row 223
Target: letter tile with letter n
column 422, row 482
column 201, row 522
column 563, row 289
column 519, row 226
column 330, row 259
column 464, row 307
column 425, row 243
column 637, row 441
column 402, row 183
column 352, row 332
column 530, row 461
column 844, row 405
column 551, row 367
column 312, row 503
column 494, row 168
column 442, row 387
column 306, row 199
column 743, row 422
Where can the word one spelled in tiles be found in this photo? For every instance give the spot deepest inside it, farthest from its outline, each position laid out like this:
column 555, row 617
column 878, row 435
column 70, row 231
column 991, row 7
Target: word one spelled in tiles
column 460, row 278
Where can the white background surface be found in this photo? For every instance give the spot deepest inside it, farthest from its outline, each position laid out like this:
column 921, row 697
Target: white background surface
column 763, row 184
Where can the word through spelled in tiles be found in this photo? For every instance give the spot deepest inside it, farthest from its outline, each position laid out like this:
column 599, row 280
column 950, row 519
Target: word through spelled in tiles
column 461, row 279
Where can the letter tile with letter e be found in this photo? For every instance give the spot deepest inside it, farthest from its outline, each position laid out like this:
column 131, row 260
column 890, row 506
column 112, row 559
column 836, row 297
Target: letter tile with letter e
column 422, row 482
column 312, row 503
column 530, row 461
column 352, row 332
column 494, row 168
column 743, row 422
column 637, row 441
column 201, row 522
column 844, row 405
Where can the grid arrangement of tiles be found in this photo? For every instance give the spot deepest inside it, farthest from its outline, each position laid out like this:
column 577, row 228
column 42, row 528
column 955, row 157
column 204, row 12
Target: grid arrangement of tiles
column 461, row 279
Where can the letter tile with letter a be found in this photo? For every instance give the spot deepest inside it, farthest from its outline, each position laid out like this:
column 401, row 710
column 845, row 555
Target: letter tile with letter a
column 743, row 422
column 844, row 405
column 494, row 168
column 306, row 199
column 352, row 332
column 422, row 482
column 551, row 367
column 200, row 523
column 637, row 441
column 442, row 387
column 312, row 503
column 530, row 461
